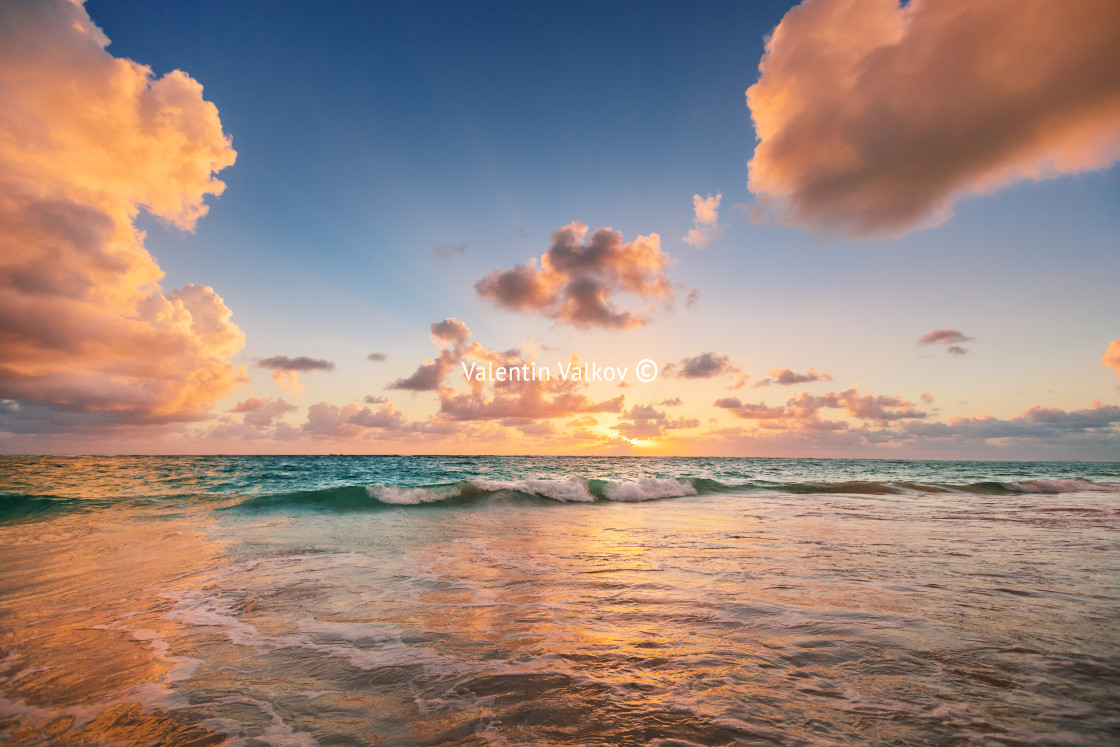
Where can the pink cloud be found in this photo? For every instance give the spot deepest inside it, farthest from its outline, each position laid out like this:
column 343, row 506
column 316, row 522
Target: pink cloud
column 874, row 117
column 943, row 337
column 85, row 328
column 789, row 377
column 705, row 223
column 576, row 280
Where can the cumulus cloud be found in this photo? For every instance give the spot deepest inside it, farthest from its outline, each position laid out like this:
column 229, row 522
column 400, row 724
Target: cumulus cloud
column 522, row 401
column 260, row 412
column 576, row 280
column 873, row 117
column 703, row 366
column 377, row 357
column 1111, row 357
column 705, row 223
column 87, row 140
column 1038, row 423
column 803, row 410
column 788, row 377
column 285, row 371
column 646, row 422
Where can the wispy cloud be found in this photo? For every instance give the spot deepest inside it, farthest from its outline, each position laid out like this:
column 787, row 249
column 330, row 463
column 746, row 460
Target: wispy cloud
column 445, row 251
column 788, row 377
column 947, row 337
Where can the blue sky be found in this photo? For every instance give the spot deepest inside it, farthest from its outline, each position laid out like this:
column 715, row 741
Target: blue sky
column 369, row 134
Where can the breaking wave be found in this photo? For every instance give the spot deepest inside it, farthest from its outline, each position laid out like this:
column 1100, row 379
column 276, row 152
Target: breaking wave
column 19, row 507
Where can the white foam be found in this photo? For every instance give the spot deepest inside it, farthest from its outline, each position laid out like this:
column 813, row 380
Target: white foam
column 565, row 491
column 1073, row 485
column 650, row 488
column 411, row 496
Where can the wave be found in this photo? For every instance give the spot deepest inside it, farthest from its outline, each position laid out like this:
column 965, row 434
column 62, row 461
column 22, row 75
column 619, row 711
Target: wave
column 19, row 507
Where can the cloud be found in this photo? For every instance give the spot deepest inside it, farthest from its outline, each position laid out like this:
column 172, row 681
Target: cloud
column 873, row 118
column 370, row 399
column 260, row 412
column 703, row 366
column 451, row 335
column 803, row 410
column 377, row 357
column 1038, row 423
column 87, row 140
column 285, row 371
column 943, row 337
column 301, row 363
column 444, row 251
column 1111, row 357
column 692, row 298
column 787, row 377
column 671, row 402
column 705, row 223
column 646, row 422
column 946, row 337
column 576, row 280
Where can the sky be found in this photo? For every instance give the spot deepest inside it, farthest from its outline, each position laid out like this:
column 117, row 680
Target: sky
column 840, row 228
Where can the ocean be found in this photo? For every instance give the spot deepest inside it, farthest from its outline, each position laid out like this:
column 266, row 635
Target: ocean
column 557, row 600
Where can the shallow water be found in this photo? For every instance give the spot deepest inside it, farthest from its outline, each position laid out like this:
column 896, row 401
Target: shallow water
column 466, row 600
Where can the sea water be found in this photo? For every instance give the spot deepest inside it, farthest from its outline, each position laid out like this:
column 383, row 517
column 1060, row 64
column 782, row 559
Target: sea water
column 553, row 600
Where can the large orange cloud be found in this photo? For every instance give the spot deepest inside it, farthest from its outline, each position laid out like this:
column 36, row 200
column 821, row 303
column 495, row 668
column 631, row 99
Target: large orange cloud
column 87, row 140
column 872, row 118
column 578, row 277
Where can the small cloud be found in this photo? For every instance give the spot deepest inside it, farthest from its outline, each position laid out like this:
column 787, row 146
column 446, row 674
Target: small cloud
column 927, row 397
column 523, row 234
column 705, row 223
column 370, row 399
column 444, row 251
column 576, row 279
column 786, row 377
column 285, row 370
column 671, row 402
column 947, row 337
column 703, row 366
column 260, row 412
column 692, row 298
column 943, row 337
column 1111, row 357
column 376, row 357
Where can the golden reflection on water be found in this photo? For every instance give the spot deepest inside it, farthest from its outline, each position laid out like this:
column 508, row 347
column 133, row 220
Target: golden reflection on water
column 70, row 665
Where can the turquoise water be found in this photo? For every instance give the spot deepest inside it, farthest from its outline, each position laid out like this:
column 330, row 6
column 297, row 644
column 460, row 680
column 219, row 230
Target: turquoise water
column 552, row 600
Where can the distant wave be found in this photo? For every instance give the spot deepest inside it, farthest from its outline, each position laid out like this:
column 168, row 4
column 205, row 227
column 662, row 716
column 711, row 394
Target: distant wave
column 24, row 507
column 16, row 507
